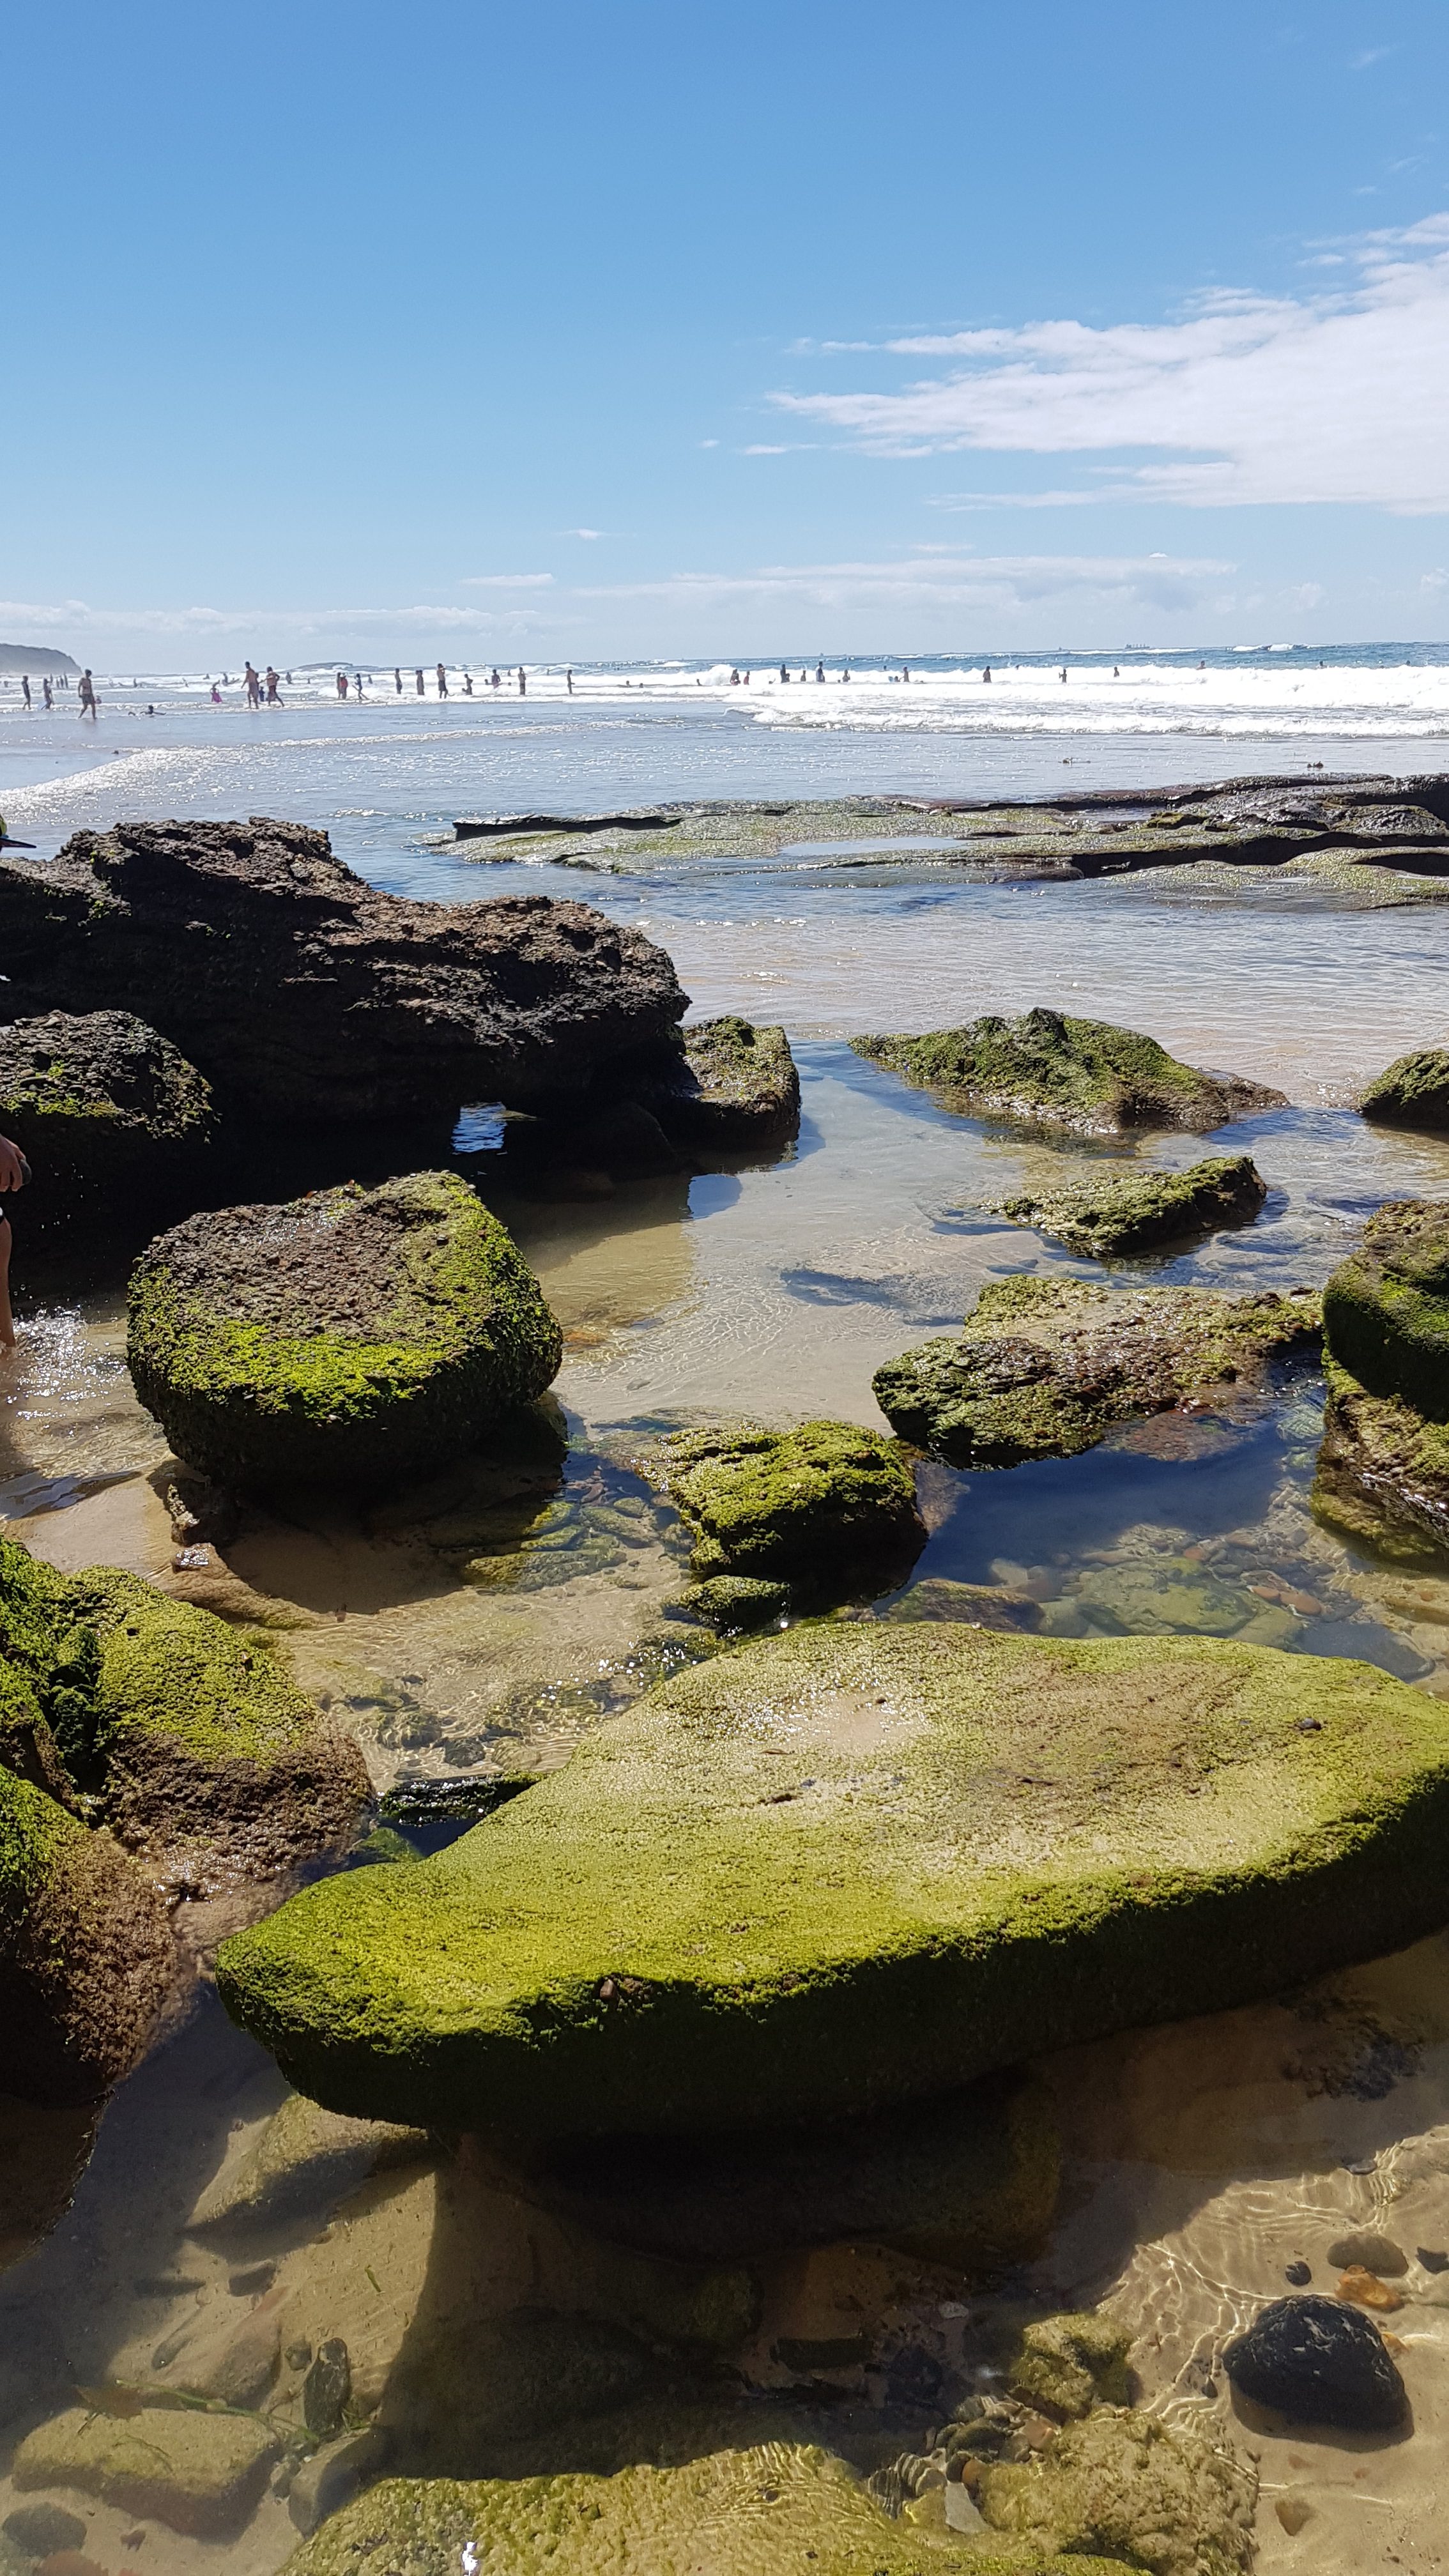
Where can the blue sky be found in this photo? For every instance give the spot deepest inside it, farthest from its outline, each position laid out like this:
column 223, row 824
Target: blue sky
column 599, row 330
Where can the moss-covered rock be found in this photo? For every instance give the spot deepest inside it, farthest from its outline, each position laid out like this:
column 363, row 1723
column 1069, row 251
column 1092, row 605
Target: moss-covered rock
column 85, row 1951
column 109, row 1114
column 198, row 2473
column 763, row 2512
column 190, row 1732
column 733, row 1604
column 1112, row 1214
column 1069, row 2364
column 1413, row 1091
column 1383, row 1468
column 970, row 2181
column 854, row 1864
column 1131, row 2488
column 1045, row 1367
column 821, row 1507
column 350, row 1337
column 727, row 1083
column 1047, row 1070
column 1382, row 1476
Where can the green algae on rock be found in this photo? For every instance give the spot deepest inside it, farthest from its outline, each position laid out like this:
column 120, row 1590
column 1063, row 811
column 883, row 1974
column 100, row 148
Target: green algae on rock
column 761, row 2512
column 820, row 1506
column 85, row 1951
column 1133, row 2488
column 349, row 1338
column 1383, row 1473
column 858, row 1863
column 1071, row 2363
column 1047, row 1070
column 188, row 1730
column 1383, row 1468
column 1044, row 1368
column 108, row 1113
column 728, row 1083
column 1113, row 1214
column 1413, row 1091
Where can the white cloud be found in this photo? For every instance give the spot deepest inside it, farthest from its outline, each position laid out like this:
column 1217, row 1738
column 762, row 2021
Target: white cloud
column 945, row 579
column 75, row 617
column 511, row 580
column 588, row 534
column 1338, row 397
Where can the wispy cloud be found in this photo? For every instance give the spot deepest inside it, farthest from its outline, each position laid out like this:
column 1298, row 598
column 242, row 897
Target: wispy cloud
column 77, row 617
column 511, row 580
column 1371, row 54
column 589, row 535
column 955, row 580
column 1338, row 397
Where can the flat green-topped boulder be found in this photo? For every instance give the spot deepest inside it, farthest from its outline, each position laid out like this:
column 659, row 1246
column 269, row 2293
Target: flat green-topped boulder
column 85, row 1951
column 1047, row 1070
column 727, row 1083
column 819, row 1507
column 772, row 2511
column 1413, row 1091
column 1110, row 1215
column 109, row 1114
column 1045, row 1368
column 348, row 1338
column 855, row 1864
column 1383, row 1468
column 190, row 1732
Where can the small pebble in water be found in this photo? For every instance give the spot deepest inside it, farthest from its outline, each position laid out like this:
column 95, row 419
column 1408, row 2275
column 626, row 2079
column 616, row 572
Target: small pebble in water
column 1293, row 2512
column 1358, row 2164
column 1376, row 2253
column 297, row 2356
column 1298, row 2273
column 1366, row 2290
column 327, row 2388
column 1433, row 2259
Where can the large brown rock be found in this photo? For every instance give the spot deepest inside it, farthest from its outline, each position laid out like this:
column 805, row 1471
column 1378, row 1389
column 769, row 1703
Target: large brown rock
column 296, row 987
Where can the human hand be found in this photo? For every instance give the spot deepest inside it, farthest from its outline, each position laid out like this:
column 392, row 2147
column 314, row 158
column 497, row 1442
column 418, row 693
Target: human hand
column 12, row 1166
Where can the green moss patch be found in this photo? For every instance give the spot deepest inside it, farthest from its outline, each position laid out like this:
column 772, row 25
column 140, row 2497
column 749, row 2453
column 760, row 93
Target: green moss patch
column 727, row 1083
column 821, row 1506
column 1111, row 1215
column 858, row 1863
column 1044, row 1368
column 349, row 1337
column 1047, row 1070
column 1411, row 1092
column 1383, row 1473
column 1132, row 2488
column 85, row 1951
column 1386, row 1309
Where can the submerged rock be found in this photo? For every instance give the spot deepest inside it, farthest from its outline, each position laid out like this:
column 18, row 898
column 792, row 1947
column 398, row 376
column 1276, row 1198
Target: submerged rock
column 347, row 1338
column 298, row 988
column 1071, row 2363
column 86, row 1953
column 820, row 1507
column 970, row 2181
column 1045, row 1367
column 109, row 1114
column 762, row 2512
column 1383, row 1468
column 730, row 1084
column 306, row 2159
column 186, row 1731
column 1113, row 1214
column 1318, row 2361
column 198, row 2473
column 1127, row 2485
column 1045, row 1070
column 860, row 1863
column 1413, row 1091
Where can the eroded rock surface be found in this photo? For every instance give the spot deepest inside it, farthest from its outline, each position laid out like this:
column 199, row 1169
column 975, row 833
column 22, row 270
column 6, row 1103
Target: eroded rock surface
column 298, row 988
column 855, row 1864
column 819, row 1507
column 107, row 1113
column 732, row 1084
column 1126, row 2484
column 1112, row 1215
column 86, row 1952
column 347, row 1338
column 1413, row 1091
column 1045, row 1070
column 1045, row 1367
column 1383, row 1468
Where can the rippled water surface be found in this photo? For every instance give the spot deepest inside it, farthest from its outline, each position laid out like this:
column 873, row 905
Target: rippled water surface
column 1201, row 2159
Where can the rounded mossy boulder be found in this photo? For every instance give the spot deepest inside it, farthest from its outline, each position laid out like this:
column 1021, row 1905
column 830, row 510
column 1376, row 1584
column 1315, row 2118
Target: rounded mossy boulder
column 727, row 1083
column 768, row 2511
column 1413, row 1091
column 187, row 1730
column 85, row 1951
column 347, row 1338
column 1045, row 1069
column 820, row 1506
column 1386, row 1309
column 1113, row 1214
column 108, row 1113
column 1044, row 1368
column 1382, row 1474
column 857, row 1863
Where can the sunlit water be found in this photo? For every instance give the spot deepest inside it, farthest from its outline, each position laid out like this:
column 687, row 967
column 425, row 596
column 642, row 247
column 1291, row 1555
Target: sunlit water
column 1202, row 2158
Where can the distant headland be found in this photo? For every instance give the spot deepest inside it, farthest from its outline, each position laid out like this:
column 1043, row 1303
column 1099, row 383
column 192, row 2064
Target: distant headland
column 42, row 659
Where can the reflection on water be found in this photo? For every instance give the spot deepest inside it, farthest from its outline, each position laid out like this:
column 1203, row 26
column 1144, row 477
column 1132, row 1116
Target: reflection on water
column 481, row 1622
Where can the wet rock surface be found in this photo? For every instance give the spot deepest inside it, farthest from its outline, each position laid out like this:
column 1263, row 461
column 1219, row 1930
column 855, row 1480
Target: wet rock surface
column 1125, row 2484
column 345, row 1338
column 305, row 2160
column 729, row 1084
column 1113, row 1215
column 805, row 1914
column 1413, row 1091
column 1319, row 2361
column 817, row 1507
column 198, row 2473
column 109, row 1115
column 1045, row 1367
column 297, row 987
column 1047, row 1070
column 86, row 1955
column 1383, row 1468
